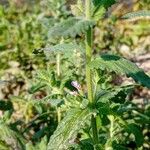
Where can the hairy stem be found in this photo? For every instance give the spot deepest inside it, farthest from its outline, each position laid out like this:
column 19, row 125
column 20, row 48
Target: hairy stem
column 58, row 64
column 58, row 115
column 111, row 129
column 58, row 74
column 88, row 59
column 89, row 45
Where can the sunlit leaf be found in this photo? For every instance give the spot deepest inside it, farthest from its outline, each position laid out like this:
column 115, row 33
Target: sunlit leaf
column 137, row 15
column 101, row 6
column 121, row 66
column 67, row 49
column 68, row 128
column 70, row 28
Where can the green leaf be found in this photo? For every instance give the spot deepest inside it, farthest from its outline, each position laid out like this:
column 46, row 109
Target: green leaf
column 78, row 9
column 4, row 146
column 39, row 146
column 99, row 14
column 101, row 6
column 141, row 117
column 68, row 128
column 70, row 28
column 36, row 87
column 55, row 102
column 106, row 95
column 121, row 66
column 105, row 3
column 43, row 144
column 139, row 138
column 29, row 146
column 11, row 138
column 111, row 101
column 65, row 48
column 137, row 15
column 47, row 77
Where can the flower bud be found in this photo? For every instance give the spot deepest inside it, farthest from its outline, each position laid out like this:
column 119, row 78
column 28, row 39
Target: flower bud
column 76, row 85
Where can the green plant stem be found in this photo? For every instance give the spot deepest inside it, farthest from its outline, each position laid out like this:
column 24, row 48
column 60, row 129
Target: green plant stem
column 88, row 59
column 111, row 129
column 58, row 115
column 58, row 64
column 58, row 74
column 89, row 45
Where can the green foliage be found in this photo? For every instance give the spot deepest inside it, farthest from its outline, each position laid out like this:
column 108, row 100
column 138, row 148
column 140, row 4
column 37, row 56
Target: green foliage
column 121, row 66
column 39, row 146
column 49, row 78
column 100, row 8
column 78, row 9
column 132, row 128
column 58, row 8
column 68, row 49
column 36, row 87
column 70, row 28
column 66, row 107
column 4, row 146
column 106, row 4
column 137, row 15
column 107, row 95
column 10, row 138
column 19, row 36
column 68, row 128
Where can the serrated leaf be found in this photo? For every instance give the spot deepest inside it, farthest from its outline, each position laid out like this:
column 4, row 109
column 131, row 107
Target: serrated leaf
column 68, row 128
column 121, row 66
column 78, row 9
column 126, row 107
column 137, row 15
column 46, row 77
column 64, row 48
column 70, row 28
column 99, row 14
column 101, row 6
column 55, row 102
column 106, row 95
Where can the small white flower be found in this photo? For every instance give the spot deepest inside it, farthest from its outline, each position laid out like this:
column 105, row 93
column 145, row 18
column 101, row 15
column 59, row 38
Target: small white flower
column 76, row 85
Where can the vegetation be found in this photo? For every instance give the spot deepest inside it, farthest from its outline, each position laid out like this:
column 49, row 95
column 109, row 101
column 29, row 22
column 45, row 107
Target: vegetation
column 58, row 70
